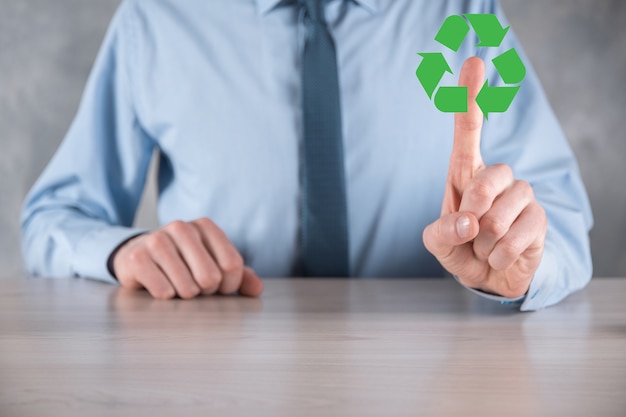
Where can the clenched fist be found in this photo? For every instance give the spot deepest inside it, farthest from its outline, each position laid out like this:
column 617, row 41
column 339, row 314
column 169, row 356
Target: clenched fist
column 185, row 259
column 491, row 231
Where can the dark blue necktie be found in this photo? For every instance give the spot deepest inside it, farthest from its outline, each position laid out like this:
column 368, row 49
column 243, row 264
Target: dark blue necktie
column 324, row 212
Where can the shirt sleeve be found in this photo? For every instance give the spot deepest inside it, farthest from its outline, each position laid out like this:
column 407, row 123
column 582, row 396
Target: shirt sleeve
column 528, row 138
column 83, row 205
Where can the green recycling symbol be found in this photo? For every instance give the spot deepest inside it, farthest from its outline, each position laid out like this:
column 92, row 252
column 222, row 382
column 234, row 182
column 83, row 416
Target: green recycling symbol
column 509, row 66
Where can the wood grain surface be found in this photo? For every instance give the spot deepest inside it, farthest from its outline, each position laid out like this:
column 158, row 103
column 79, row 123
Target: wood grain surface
column 309, row 348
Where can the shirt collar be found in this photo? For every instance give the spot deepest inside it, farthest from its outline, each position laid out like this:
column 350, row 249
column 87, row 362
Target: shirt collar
column 264, row 6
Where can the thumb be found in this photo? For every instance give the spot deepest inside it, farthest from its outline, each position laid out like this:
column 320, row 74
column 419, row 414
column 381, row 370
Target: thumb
column 251, row 284
column 450, row 231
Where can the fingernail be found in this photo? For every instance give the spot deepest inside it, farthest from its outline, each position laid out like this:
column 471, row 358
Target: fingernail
column 463, row 227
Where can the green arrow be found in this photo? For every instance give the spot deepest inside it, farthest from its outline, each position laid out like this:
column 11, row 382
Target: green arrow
column 510, row 67
column 451, row 99
column 452, row 32
column 495, row 99
column 488, row 29
column 431, row 71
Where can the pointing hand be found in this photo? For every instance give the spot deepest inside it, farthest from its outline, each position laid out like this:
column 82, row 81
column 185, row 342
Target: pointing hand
column 491, row 231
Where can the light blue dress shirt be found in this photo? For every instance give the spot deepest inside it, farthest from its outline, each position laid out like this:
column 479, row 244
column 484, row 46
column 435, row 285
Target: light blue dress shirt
column 215, row 86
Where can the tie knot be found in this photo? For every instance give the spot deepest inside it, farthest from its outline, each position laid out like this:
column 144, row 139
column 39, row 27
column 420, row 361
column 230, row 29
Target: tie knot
column 314, row 10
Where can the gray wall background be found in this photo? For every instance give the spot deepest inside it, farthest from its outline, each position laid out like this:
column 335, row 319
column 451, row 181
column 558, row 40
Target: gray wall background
column 578, row 47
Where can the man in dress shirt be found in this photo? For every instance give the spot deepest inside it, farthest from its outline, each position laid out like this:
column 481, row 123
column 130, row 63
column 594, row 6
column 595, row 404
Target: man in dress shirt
column 215, row 87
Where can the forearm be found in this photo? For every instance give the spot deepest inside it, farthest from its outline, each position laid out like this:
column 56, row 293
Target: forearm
column 566, row 265
column 83, row 205
column 63, row 241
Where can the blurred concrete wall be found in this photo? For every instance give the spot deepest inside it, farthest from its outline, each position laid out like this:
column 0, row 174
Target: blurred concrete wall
column 577, row 46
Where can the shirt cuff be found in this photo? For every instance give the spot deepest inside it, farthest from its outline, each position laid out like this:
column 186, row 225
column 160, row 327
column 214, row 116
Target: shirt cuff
column 544, row 289
column 93, row 251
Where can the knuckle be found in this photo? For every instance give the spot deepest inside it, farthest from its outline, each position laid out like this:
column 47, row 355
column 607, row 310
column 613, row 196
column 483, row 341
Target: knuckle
column 232, row 263
column 204, row 223
column 157, row 242
column 135, row 255
column 538, row 210
column 504, row 170
column 481, row 189
column 511, row 248
column 493, row 226
column 525, row 188
column 178, row 227
column 138, row 256
column 208, row 281
column 208, row 277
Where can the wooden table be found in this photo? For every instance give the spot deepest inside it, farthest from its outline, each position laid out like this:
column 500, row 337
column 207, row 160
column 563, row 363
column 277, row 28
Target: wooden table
column 309, row 348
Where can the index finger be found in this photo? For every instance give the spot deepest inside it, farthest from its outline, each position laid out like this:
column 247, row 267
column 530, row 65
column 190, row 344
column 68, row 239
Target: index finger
column 465, row 159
